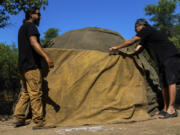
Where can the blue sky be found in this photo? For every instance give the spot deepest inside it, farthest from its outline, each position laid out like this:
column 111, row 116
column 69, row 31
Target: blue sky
column 66, row 15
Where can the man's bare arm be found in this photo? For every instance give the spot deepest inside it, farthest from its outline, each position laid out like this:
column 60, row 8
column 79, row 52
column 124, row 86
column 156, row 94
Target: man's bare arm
column 37, row 47
column 126, row 43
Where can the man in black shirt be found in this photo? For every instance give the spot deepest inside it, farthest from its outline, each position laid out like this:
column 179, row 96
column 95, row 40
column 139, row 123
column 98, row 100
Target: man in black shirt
column 166, row 56
column 30, row 55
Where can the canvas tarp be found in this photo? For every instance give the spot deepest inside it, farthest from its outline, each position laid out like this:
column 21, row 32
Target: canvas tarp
column 93, row 38
column 93, row 87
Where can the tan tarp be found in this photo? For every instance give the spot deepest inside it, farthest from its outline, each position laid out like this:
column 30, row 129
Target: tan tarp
column 92, row 87
column 93, row 38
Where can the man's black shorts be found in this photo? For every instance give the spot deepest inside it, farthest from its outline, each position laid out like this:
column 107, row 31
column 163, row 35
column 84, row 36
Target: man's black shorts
column 169, row 72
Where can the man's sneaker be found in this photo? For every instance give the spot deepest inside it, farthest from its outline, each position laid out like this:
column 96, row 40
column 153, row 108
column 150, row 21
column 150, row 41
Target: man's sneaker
column 19, row 124
column 42, row 126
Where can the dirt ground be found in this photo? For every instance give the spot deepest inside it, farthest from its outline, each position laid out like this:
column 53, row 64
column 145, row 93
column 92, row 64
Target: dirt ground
column 155, row 126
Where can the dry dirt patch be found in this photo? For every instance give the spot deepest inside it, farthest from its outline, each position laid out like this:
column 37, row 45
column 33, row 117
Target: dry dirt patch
column 150, row 127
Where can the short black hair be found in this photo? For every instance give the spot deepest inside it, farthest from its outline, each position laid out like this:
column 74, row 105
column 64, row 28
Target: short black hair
column 30, row 11
column 141, row 21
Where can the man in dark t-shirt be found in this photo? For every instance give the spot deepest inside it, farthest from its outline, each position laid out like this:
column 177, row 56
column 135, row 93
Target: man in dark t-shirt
column 28, row 58
column 30, row 55
column 166, row 56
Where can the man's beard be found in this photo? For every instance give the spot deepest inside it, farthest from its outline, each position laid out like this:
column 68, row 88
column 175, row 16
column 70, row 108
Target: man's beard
column 36, row 21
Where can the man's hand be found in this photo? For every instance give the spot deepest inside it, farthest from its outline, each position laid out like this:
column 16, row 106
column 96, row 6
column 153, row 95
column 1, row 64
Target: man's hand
column 49, row 62
column 113, row 48
column 138, row 47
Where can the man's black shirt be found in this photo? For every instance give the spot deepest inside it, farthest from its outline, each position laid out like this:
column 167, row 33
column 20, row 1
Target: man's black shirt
column 157, row 44
column 28, row 58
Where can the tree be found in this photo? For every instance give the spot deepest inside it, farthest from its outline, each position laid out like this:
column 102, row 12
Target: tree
column 176, row 36
column 9, row 76
column 13, row 7
column 48, row 35
column 163, row 15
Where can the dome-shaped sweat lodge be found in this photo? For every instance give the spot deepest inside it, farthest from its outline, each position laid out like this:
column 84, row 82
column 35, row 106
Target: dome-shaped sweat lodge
column 90, row 86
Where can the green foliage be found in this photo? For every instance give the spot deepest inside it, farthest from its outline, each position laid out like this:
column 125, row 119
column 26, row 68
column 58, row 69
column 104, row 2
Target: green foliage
column 176, row 41
column 163, row 15
column 48, row 35
column 9, row 77
column 13, row 7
